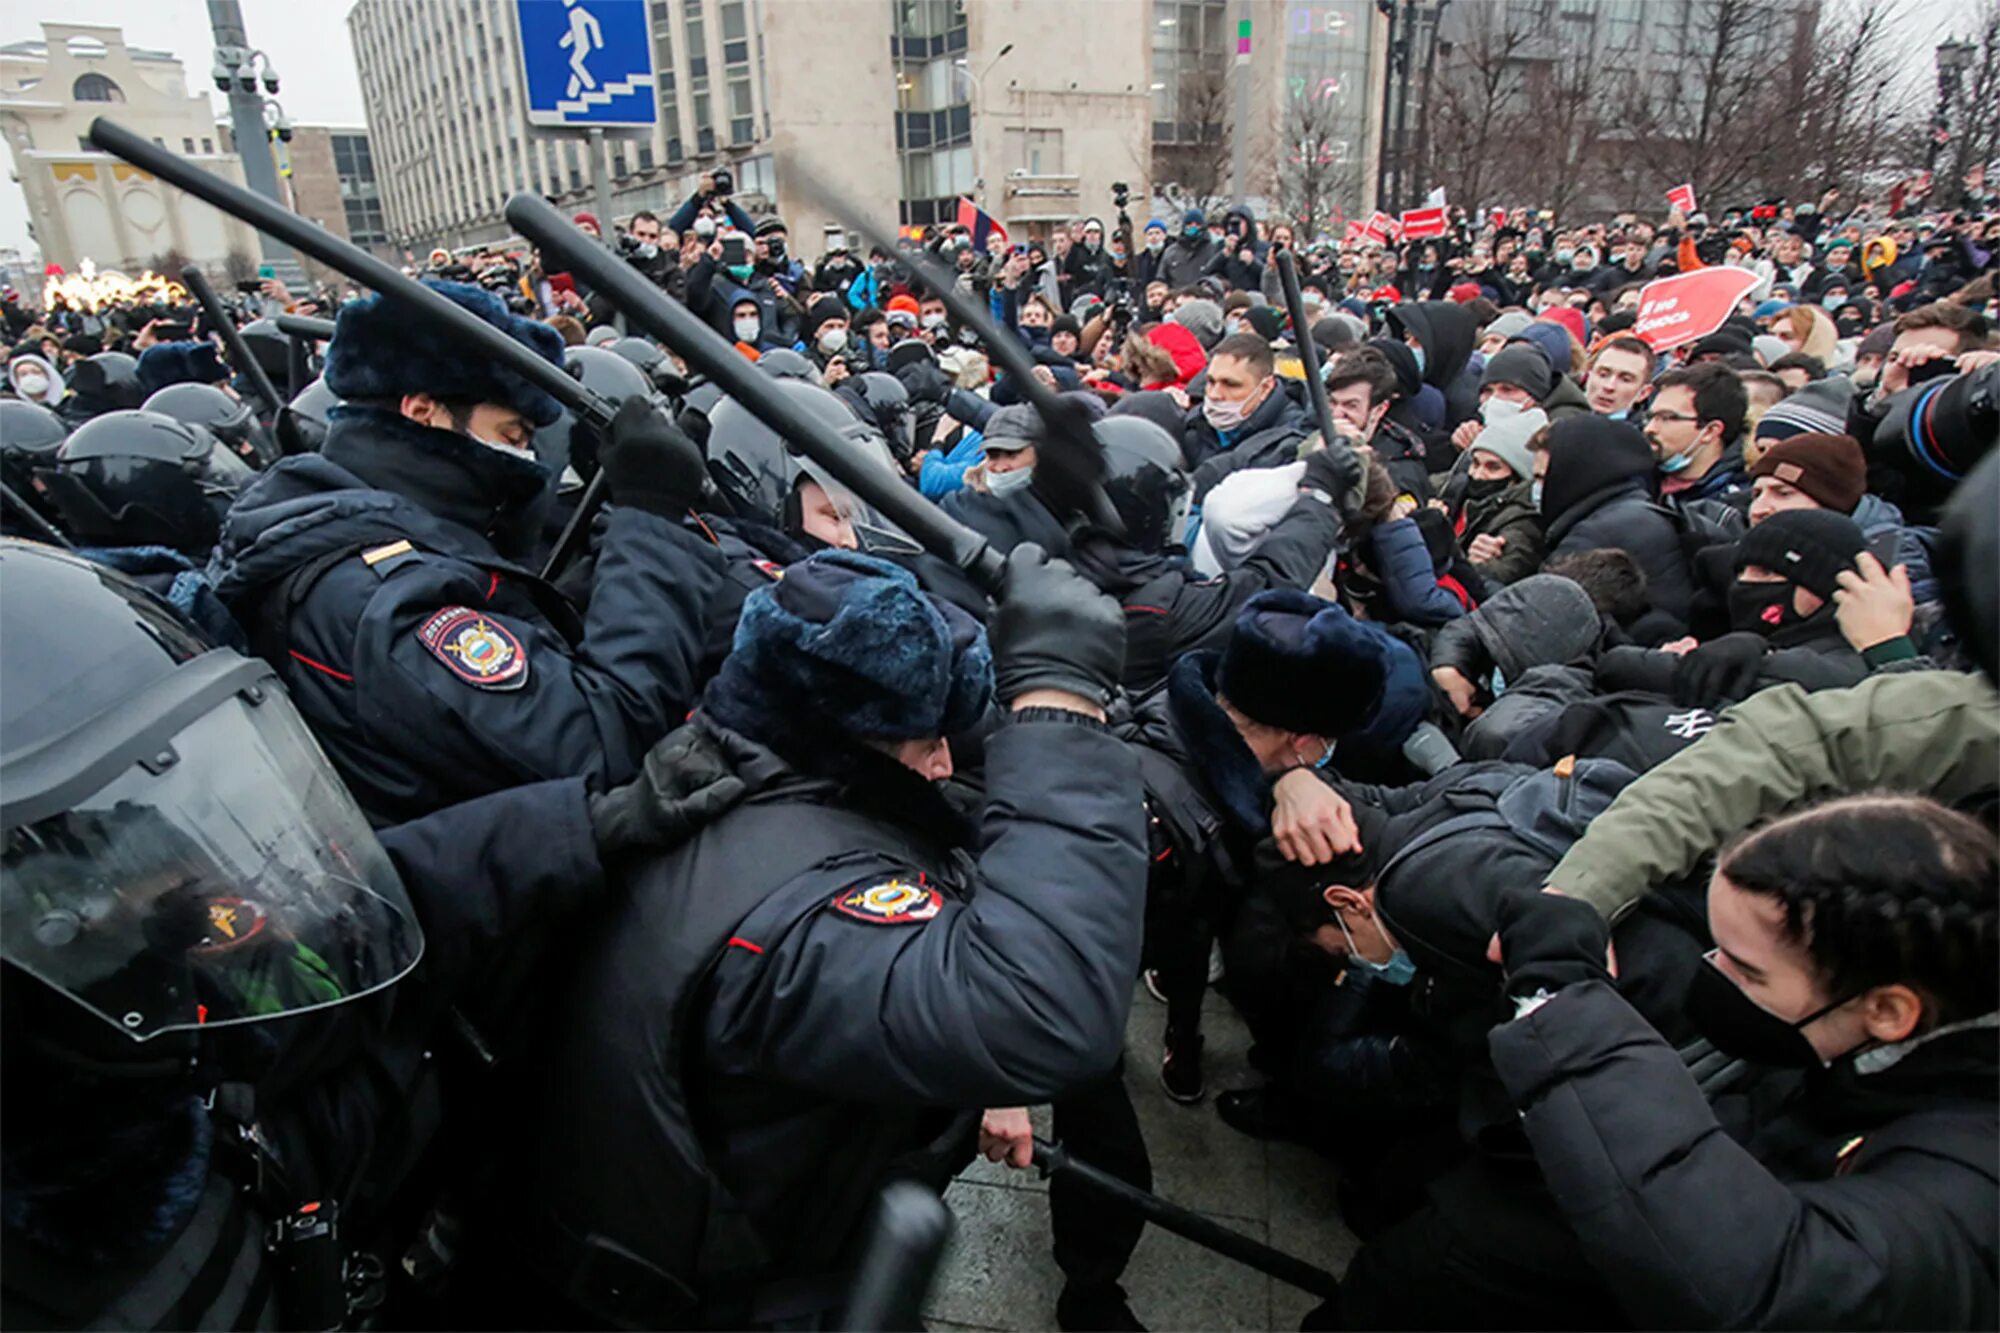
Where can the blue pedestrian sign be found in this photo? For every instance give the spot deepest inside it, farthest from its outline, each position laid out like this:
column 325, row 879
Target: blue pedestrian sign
column 588, row 62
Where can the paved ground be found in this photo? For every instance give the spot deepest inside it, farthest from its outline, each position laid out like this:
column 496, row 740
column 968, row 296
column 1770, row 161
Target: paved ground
column 998, row 1273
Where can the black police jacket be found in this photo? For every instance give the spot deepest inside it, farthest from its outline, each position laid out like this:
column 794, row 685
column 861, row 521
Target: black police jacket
column 785, row 1002
column 1170, row 611
column 431, row 668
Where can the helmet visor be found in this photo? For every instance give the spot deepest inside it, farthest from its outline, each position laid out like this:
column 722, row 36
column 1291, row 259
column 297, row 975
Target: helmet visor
column 227, row 877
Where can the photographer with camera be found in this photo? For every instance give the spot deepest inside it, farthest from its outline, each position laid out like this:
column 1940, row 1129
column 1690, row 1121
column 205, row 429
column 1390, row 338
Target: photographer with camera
column 655, row 253
column 1933, row 414
column 711, row 201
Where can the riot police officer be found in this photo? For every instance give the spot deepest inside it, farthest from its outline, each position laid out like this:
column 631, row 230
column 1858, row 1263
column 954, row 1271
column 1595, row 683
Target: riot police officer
column 211, row 1099
column 379, row 575
column 229, row 419
column 817, row 962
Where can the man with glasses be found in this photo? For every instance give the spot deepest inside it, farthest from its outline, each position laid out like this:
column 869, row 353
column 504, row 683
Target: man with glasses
column 1695, row 428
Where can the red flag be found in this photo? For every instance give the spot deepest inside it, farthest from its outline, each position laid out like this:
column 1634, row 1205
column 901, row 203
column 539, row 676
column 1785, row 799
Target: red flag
column 1687, row 306
column 1499, row 218
column 1422, row 222
column 1682, row 197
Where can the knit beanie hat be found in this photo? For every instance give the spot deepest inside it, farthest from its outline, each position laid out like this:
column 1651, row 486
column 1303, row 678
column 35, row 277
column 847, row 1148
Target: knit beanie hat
column 1809, row 547
column 1202, row 318
column 1572, row 321
column 1266, row 322
column 1829, row 468
column 1769, row 347
column 1298, row 663
column 1820, row 408
column 1507, row 440
column 1522, row 365
column 1507, row 324
column 824, row 309
column 853, row 639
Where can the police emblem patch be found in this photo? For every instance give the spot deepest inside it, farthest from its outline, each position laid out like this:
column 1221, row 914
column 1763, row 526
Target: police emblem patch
column 893, row 902
column 478, row 649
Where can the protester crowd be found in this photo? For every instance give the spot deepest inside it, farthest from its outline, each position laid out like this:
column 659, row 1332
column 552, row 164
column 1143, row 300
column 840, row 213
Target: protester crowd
column 1575, row 761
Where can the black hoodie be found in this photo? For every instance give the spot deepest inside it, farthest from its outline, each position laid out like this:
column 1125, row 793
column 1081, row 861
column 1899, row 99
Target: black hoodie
column 1598, row 494
column 1448, row 332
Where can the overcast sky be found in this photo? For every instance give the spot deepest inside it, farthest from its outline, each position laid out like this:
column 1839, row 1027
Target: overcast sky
column 306, row 39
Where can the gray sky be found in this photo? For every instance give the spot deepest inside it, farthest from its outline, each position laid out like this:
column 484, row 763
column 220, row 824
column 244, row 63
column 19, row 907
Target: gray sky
column 306, row 39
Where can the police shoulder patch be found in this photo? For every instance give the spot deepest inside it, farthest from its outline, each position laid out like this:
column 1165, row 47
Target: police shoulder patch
column 476, row 648
column 889, row 902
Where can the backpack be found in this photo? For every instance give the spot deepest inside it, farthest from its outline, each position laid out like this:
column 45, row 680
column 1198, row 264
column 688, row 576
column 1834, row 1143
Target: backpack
column 1637, row 728
column 1546, row 810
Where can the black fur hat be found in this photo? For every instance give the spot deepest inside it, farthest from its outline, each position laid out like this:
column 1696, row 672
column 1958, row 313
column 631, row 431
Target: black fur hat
column 380, row 350
column 1299, row 663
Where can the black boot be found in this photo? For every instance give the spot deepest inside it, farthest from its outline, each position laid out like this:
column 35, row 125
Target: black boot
column 1094, row 1309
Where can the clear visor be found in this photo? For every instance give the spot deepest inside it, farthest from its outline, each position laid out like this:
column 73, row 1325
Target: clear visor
column 234, row 884
column 875, row 533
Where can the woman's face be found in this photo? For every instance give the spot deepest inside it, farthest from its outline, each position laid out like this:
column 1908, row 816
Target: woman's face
column 1789, row 332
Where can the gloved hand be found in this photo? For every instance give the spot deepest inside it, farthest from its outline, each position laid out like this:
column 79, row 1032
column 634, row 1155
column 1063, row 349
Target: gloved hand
column 687, row 780
column 1720, row 671
column 1548, row 941
column 1335, row 470
column 925, row 381
column 649, row 463
column 1054, row 630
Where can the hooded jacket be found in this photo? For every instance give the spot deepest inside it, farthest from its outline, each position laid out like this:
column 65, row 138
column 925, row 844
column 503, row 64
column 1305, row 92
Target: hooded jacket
column 1448, row 332
column 1598, row 493
column 1264, row 438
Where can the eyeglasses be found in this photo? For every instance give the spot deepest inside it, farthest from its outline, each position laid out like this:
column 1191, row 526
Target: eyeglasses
column 1660, row 417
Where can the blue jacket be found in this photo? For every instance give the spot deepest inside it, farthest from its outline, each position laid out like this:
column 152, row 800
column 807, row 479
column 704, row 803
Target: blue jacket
column 432, row 668
column 944, row 471
column 1409, row 577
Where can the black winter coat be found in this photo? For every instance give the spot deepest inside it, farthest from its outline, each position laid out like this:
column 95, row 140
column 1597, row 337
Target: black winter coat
column 1623, row 515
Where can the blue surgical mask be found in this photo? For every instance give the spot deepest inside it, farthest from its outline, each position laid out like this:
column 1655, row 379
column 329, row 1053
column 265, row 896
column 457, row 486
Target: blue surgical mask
column 1535, row 492
column 1676, row 463
column 1422, row 360
column 1006, row 483
column 1834, row 302
column 1398, row 971
column 1564, row 255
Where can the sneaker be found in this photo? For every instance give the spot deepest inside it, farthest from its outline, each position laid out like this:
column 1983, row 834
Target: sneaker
column 1180, row 1071
column 1092, row 1309
column 1152, row 979
column 1214, row 961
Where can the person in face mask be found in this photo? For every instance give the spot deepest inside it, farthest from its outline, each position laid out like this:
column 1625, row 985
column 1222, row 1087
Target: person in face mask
column 824, row 331
column 1695, row 428
column 1783, row 627
column 1244, row 416
column 394, row 570
column 998, row 500
column 1188, row 256
column 1492, row 510
column 746, row 324
column 647, row 248
column 1856, row 957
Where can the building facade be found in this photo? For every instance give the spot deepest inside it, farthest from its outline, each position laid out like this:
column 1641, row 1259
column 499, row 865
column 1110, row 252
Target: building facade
column 88, row 205
column 902, row 105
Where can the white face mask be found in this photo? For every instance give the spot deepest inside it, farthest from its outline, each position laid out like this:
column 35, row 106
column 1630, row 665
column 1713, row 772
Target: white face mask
column 934, row 320
column 646, row 249
column 830, row 340
column 746, row 330
column 1224, row 415
column 704, row 226
column 1496, row 410
column 1006, row 483
column 32, row 386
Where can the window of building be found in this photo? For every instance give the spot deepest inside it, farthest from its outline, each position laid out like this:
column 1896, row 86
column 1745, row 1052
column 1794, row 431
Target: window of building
column 187, row 146
column 646, row 156
column 1037, row 152
column 208, row 146
column 96, row 88
column 697, row 45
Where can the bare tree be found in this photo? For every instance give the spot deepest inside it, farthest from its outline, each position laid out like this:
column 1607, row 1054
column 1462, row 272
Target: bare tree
column 1316, row 170
column 1193, row 170
column 1552, row 149
column 1476, row 96
column 1858, row 115
column 1975, row 112
column 239, row 265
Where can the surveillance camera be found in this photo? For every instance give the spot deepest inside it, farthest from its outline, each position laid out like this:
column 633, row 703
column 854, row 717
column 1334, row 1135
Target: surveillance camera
column 285, row 133
column 246, row 78
column 270, row 78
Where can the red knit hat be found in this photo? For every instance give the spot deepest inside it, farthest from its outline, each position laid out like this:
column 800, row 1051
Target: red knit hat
column 1462, row 292
column 1180, row 344
column 904, row 303
column 580, row 218
column 1572, row 321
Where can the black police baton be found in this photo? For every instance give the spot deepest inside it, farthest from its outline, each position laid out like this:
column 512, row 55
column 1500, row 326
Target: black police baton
column 33, row 518
column 1295, row 306
column 1071, row 473
column 353, row 262
column 899, row 1260
column 1054, row 1159
column 304, row 326
column 564, row 247
column 218, row 318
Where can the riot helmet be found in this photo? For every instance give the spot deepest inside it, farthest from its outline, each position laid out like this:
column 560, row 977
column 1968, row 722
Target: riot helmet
column 758, row 472
column 270, row 347
column 785, row 364
column 303, row 422
column 30, row 435
column 106, row 382
column 179, row 854
column 607, row 374
column 1144, row 480
column 144, row 479
column 654, row 364
column 228, row 419
column 881, row 401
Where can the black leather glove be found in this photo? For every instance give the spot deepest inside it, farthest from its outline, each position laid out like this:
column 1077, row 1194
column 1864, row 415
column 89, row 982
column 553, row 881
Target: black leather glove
column 649, row 463
column 1054, row 630
column 1548, row 941
column 925, row 381
column 687, row 780
column 1334, row 470
column 1722, row 670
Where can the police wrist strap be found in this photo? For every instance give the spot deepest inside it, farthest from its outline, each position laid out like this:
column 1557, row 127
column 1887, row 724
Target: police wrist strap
column 1043, row 713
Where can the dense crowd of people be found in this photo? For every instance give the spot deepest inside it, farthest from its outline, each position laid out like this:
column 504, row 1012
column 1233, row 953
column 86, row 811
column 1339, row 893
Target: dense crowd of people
column 1574, row 758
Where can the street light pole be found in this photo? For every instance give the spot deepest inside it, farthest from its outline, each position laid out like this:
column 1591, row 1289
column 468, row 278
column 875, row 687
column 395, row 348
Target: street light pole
column 236, row 74
column 978, row 105
column 1953, row 59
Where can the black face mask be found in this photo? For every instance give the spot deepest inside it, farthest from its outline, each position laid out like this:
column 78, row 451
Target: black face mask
column 1761, row 608
column 1740, row 1027
column 1485, row 488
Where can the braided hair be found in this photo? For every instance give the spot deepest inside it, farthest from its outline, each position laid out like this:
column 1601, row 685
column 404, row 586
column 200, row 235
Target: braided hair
column 1883, row 889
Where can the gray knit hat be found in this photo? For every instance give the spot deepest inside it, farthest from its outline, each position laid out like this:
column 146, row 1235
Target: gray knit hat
column 1202, row 318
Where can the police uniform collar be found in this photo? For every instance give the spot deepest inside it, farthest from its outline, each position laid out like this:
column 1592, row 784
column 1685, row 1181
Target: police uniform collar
column 451, row 475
